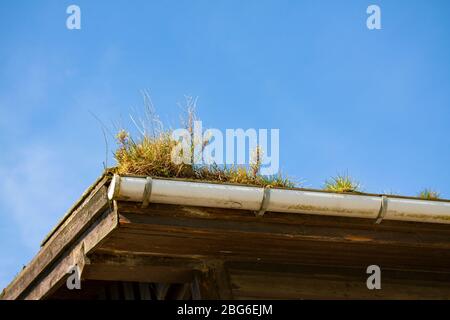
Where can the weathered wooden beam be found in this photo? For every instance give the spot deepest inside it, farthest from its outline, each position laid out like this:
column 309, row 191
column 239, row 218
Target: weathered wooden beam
column 213, row 283
column 164, row 210
column 290, row 238
column 281, row 282
column 339, row 231
column 117, row 266
column 56, row 275
column 222, row 279
column 178, row 237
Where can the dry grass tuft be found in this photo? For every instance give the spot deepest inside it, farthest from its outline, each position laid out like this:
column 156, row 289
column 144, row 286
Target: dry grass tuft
column 429, row 194
column 151, row 155
column 342, row 183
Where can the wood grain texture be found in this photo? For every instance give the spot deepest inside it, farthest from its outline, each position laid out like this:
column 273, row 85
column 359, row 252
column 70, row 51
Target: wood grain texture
column 260, row 281
column 344, row 242
column 116, row 266
column 56, row 274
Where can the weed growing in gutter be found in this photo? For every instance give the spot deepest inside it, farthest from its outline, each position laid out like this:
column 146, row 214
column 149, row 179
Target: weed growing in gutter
column 429, row 194
column 342, row 183
column 150, row 154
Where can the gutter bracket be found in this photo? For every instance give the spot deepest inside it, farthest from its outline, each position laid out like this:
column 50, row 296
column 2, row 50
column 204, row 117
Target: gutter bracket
column 383, row 209
column 264, row 203
column 147, row 193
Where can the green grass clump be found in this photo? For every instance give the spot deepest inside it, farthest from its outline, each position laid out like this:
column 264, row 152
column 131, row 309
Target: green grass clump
column 342, row 183
column 429, row 194
column 151, row 155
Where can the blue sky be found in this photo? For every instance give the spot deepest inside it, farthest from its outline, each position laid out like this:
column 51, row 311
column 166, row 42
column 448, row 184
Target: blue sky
column 374, row 103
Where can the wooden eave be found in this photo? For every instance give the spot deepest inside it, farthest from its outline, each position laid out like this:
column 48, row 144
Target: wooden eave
column 226, row 253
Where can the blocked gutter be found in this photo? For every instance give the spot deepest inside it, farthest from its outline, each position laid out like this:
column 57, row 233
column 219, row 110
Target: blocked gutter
column 258, row 199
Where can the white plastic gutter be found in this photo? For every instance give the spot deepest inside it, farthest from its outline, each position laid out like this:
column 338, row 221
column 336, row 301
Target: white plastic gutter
column 258, row 199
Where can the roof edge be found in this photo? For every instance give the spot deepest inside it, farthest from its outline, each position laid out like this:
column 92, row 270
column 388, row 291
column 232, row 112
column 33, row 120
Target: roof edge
column 106, row 175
